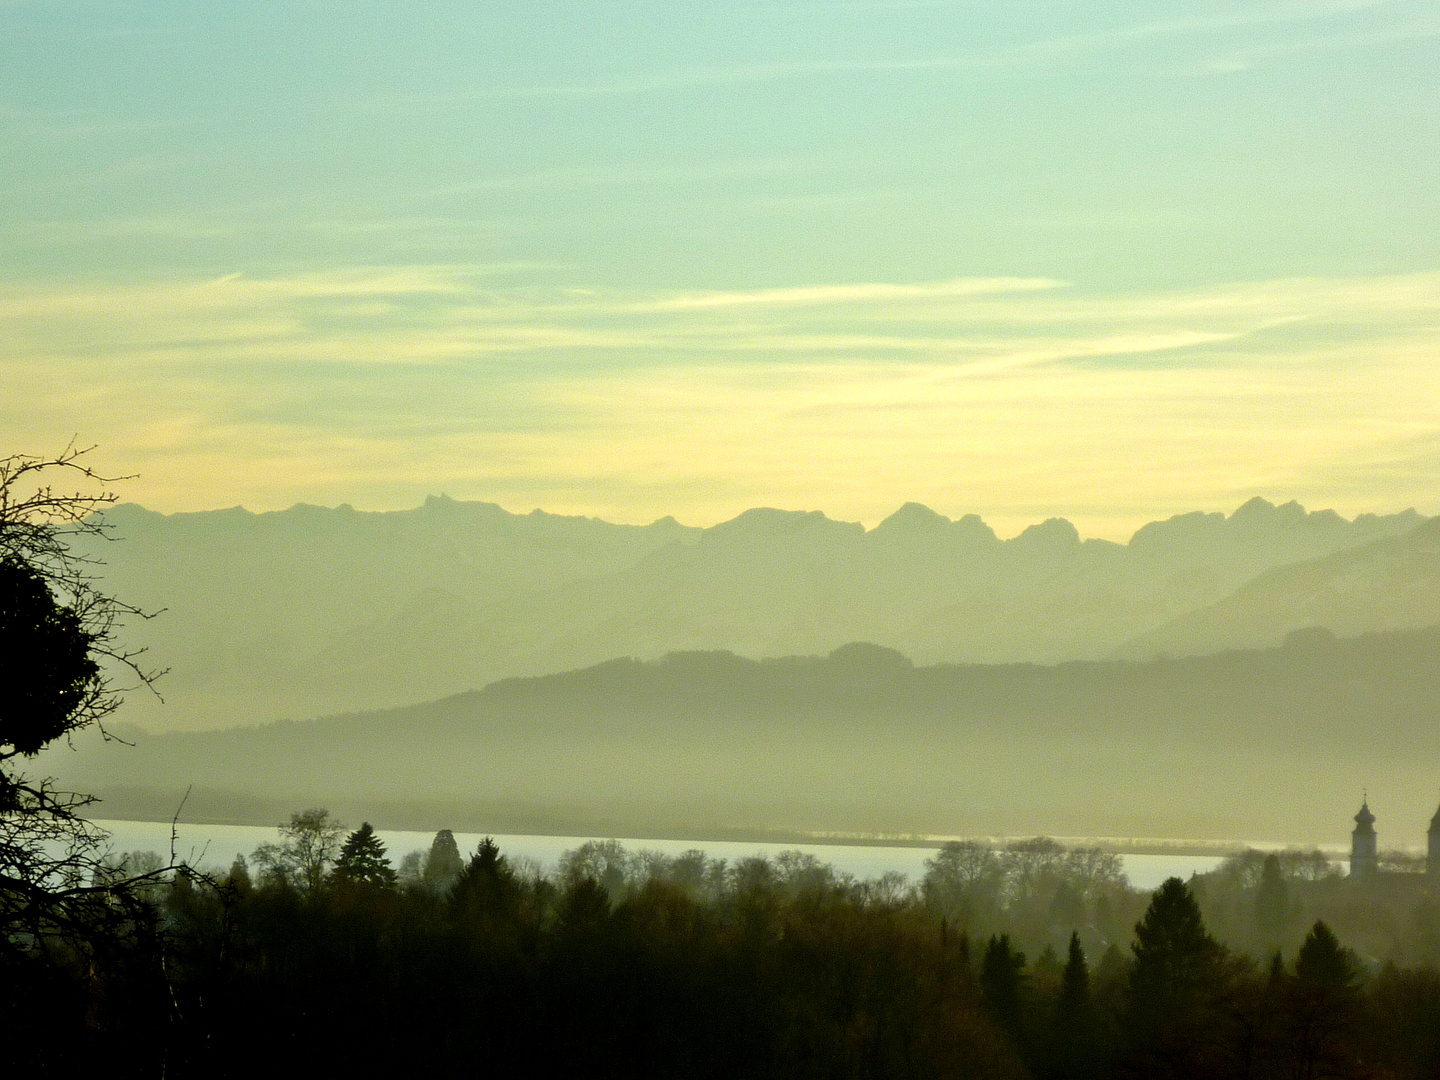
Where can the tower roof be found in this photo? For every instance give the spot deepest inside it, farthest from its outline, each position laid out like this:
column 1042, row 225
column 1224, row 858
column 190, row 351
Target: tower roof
column 1365, row 818
column 1435, row 822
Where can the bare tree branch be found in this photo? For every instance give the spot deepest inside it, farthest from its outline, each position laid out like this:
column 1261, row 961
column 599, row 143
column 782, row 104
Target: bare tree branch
column 55, row 884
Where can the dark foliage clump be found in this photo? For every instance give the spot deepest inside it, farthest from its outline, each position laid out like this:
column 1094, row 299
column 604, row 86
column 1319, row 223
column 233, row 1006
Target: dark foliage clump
column 687, row 967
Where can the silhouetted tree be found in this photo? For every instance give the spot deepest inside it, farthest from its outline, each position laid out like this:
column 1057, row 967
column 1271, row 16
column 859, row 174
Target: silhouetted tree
column 1176, row 981
column 1075, row 983
column 442, row 865
column 1072, row 1050
column 1272, row 900
column 1322, row 960
column 239, row 876
column 1048, row 963
column 58, row 653
column 1174, row 953
column 1066, row 907
column 1402, row 1030
column 77, row 933
column 310, row 841
column 606, row 861
column 1032, row 867
column 48, row 669
column 962, row 883
column 486, row 889
column 1114, row 966
column 583, row 904
column 362, row 860
column 412, row 866
column 1322, row 1007
column 1001, row 972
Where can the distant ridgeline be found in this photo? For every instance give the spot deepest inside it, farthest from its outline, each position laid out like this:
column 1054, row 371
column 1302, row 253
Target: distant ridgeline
column 1253, row 745
column 313, row 611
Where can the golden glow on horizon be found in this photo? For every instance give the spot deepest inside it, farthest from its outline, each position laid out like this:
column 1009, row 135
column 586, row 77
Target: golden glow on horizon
column 1014, row 398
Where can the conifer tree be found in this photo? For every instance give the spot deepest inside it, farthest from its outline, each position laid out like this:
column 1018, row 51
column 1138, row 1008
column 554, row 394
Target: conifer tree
column 1174, row 953
column 1323, row 961
column 1001, row 971
column 1071, row 1051
column 239, row 876
column 443, row 864
column 486, row 889
column 1176, row 985
column 363, row 860
column 1323, row 1006
column 1075, row 983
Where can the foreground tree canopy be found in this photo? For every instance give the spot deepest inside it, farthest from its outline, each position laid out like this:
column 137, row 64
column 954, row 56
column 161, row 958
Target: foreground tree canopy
column 59, row 657
column 45, row 663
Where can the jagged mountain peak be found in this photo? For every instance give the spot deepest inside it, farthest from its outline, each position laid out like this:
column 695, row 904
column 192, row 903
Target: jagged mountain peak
column 1052, row 534
column 768, row 523
column 917, row 522
column 913, row 517
column 1262, row 511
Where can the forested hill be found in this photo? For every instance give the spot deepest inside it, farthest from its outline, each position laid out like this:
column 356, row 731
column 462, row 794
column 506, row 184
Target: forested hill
column 312, row 610
column 1270, row 744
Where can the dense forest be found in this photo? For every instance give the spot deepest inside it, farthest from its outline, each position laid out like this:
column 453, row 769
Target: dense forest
column 1029, row 960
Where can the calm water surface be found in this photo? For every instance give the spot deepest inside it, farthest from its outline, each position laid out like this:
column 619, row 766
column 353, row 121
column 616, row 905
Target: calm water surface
column 216, row 846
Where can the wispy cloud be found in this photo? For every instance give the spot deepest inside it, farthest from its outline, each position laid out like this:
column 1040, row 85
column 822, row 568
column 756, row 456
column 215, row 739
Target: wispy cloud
column 1423, row 26
column 823, row 295
column 375, row 385
column 433, row 311
column 1025, row 55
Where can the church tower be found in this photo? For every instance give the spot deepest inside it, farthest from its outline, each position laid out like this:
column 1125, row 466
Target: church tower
column 1363, row 857
column 1432, row 864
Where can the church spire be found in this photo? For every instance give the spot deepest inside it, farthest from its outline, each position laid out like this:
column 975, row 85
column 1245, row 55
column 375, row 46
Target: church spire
column 1365, row 819
column 1363, row 852
column 1432, row 863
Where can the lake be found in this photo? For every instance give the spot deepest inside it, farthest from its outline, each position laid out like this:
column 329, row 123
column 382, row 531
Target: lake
column 216, row 846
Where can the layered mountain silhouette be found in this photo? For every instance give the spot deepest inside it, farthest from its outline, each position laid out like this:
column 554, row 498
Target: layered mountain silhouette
column 862, row 739
column 311, row 610
column 1390, row 584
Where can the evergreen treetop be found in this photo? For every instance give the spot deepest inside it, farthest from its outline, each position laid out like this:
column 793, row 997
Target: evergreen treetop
column 1174, row 953
column 1075, row 982
column 363, row 860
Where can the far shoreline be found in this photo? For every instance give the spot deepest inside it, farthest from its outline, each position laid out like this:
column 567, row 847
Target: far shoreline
column 1108, row 844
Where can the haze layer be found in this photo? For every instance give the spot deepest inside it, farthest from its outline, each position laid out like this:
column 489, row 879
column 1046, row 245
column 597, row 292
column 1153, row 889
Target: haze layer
column 312, row 611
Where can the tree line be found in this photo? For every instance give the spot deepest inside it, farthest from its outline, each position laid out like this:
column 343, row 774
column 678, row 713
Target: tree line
column 320, row 950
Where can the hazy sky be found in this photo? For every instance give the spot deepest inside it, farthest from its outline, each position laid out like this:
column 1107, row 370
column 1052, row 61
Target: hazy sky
column 1106, row 260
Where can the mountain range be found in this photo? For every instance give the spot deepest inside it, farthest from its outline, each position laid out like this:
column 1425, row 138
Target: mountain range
column 313, row 611
column 1389, row 584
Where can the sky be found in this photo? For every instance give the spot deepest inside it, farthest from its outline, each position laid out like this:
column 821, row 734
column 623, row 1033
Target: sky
column 1110, row 261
